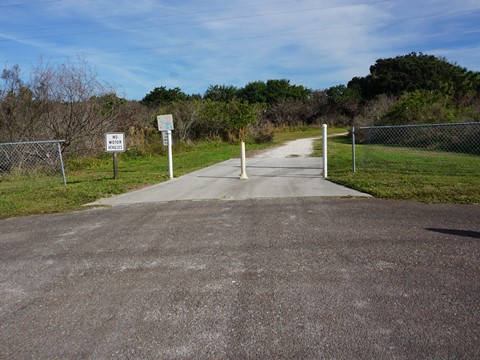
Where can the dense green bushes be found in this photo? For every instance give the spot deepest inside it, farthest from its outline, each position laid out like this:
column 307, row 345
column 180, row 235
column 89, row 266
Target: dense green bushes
column 68, row 102
column 420, row 88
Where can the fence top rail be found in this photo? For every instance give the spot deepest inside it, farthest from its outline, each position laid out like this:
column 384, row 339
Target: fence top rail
column 419, row 125
column 33, row 142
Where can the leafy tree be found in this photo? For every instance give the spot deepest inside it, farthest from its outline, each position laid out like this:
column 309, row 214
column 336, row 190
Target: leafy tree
column 421, row 107
column 210, row 120
column 412, row 72
column 110, row 103
column 254, row 92
column 161, row 96
column 225, row 120
column 278, row 90
column 240, row 115
column 221, row 93
column 343, row 100
column 273, row 91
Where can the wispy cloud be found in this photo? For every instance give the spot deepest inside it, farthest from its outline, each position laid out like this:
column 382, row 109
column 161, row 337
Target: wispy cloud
column 192, row 44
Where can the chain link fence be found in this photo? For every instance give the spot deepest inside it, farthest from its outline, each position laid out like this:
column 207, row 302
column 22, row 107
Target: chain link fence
column 433, row 148
column 34, row 158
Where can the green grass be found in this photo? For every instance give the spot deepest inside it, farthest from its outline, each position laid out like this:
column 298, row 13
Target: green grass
column 404, row 174
column 408, row 174
column 296, row 132
column 89, row 179
column 92, row 178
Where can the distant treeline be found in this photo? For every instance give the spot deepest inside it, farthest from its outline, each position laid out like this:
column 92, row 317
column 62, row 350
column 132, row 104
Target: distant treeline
column 68, row 102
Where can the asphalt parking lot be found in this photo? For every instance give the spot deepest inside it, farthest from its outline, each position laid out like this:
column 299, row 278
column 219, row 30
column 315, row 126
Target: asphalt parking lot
column 288, row 278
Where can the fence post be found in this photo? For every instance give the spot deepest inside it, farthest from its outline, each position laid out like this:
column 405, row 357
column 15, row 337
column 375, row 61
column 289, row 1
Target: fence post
column 353, row 150
column 61, row 161
column 324, row 151
column 29, row 157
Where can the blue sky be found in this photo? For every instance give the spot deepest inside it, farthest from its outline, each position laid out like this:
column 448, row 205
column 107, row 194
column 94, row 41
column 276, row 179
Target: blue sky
column 191, row 44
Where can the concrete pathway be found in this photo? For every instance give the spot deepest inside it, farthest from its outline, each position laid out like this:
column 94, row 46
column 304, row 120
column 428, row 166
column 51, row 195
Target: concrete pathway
column 285, row 171
column 295, row 148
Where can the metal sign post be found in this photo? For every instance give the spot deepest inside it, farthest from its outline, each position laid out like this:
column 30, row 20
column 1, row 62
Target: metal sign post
column 165, row 138
column 165, row 124
column 115, row 166
column 115, row 143
column 170, row 157
column 324, row 152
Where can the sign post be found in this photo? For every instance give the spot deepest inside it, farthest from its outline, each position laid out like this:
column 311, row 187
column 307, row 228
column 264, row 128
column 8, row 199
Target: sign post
column 324, row 152
column 165, row 138
column 170, row 157
column 165, row 124
column 115, row 143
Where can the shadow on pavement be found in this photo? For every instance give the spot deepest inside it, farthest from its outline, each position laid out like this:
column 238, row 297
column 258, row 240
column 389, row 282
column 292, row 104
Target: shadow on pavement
column 465, row 233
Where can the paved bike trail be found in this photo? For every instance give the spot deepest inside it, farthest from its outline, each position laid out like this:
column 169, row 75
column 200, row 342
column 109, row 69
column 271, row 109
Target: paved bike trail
column 285, row 171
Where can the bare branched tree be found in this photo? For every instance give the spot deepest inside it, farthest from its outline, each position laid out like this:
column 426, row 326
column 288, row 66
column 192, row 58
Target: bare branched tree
column 76, row 114
column 20, row 111
column 61, row 101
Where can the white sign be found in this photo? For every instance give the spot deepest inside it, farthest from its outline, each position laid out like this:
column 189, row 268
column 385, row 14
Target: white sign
column 165, row 138
column 165, row 122
column 115, row 142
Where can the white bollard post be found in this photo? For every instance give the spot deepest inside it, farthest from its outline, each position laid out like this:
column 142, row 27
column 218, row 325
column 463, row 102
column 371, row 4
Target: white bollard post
column 324, row 152
column 243, row 175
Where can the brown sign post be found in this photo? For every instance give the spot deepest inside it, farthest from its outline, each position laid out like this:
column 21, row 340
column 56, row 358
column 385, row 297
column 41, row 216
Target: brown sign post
column 115, row 143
